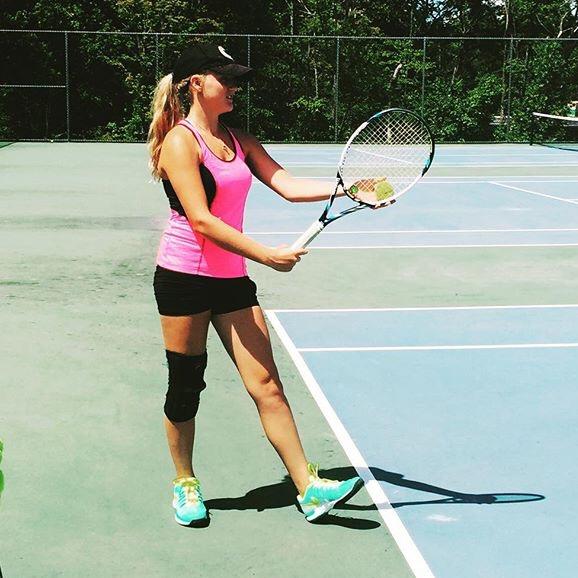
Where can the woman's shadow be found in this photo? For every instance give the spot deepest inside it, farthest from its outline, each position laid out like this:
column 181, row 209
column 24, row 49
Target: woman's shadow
column 283, row 495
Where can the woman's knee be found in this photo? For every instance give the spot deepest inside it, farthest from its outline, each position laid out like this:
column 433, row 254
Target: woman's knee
column 267, row 391
column 186, row 383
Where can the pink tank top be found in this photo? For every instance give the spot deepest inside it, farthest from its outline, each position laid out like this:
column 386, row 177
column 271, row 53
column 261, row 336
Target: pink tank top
column 183, row 249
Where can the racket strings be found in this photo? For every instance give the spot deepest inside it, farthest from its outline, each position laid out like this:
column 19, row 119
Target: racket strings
column 394, row 147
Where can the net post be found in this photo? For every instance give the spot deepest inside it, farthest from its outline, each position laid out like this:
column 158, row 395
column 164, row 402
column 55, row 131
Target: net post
column 532, row 128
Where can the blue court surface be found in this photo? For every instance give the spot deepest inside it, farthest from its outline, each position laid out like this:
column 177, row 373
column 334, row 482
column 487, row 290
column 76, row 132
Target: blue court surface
column 520, row 208
column 461, row 420
column 465, row 417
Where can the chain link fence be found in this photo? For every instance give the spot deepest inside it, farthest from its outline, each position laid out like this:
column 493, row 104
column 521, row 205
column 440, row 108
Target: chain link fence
column 97, row 86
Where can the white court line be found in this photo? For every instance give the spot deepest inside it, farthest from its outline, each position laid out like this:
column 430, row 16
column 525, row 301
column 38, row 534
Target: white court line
column 395, row 526
column 481, row 179
column 419, row 231
column 456, row 166
column 440, row 347
column 485, row 178
column 513, row 165
column 534, row 193
column 441, row 308
column 456, row 181
column 527, row 179
column 480, row 246
column 382, row 156
column 522, row 154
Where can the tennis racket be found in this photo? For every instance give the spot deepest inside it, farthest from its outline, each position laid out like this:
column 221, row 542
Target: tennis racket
column 381, row 161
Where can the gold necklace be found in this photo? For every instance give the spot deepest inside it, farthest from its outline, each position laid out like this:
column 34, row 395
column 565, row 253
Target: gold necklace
column 224, row 147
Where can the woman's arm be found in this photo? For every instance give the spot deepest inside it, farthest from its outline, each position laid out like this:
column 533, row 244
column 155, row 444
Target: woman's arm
column 179, row 160
column 272, row 174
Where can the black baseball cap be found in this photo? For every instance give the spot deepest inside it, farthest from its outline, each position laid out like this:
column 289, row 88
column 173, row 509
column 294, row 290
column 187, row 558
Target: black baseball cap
column 199, row 57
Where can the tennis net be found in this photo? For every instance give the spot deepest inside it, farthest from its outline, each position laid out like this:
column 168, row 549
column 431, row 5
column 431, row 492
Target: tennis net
column 554, row 131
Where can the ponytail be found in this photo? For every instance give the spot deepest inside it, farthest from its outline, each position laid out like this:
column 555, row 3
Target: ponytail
column 167, row 111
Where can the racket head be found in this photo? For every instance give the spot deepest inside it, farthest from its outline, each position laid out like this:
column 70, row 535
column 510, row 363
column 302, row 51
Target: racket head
column 385, row 157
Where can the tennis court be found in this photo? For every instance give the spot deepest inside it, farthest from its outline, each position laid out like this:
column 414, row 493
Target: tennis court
column 430, row 346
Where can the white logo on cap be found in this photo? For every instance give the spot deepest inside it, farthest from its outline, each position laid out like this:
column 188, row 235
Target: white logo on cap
column 222, row 51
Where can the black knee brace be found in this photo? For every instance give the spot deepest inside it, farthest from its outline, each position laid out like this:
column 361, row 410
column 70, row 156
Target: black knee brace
column 185, row 385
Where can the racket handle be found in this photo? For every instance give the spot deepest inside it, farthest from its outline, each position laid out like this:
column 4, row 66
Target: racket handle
column 308, row 236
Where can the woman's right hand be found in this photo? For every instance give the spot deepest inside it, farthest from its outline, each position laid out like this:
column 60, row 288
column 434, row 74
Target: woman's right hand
column 283, row 258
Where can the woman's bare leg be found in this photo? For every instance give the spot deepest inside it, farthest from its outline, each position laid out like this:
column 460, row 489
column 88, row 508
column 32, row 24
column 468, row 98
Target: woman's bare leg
column 245, row 335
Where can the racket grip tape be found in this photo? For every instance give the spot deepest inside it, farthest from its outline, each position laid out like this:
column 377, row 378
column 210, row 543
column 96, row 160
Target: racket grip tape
column 308, row 236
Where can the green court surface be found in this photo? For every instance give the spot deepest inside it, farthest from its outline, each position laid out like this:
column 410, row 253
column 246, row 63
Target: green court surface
column 87, row 476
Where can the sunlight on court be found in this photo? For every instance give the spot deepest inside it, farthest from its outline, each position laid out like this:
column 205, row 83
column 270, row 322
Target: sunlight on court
column 79, row 249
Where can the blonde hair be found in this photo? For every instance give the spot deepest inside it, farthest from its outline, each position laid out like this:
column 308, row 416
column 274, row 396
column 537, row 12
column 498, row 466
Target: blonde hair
column 167, row 110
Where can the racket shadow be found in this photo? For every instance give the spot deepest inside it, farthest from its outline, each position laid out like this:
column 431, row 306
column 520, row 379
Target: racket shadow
column 450, row 496
column 283, row 495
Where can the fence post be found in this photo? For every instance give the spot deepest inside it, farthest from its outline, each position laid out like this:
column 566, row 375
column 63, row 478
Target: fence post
column 423, row 77
column 66, row 69
column 336, row 89
column 508, row 109
column 248, row 84
column 156, row 58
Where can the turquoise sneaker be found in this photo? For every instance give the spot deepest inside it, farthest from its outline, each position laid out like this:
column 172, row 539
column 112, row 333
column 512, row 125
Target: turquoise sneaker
column 321, row 494
column 188, row 502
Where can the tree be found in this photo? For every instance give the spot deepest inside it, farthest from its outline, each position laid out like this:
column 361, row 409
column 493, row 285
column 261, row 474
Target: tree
column 313, row 88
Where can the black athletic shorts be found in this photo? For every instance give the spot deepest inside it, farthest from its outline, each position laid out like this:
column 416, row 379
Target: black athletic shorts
column 179, row 293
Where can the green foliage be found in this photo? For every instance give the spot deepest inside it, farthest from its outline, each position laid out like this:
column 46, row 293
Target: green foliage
column 307, row 89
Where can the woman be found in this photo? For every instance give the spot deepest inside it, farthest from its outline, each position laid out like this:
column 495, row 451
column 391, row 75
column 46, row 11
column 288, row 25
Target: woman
column 201, row 275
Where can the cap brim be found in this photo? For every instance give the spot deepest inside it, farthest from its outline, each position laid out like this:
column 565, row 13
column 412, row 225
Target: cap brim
column 235, row 70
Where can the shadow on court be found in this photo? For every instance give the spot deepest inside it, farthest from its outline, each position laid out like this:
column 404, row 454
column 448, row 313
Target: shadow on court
column 452, row 496
column 282, row 495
